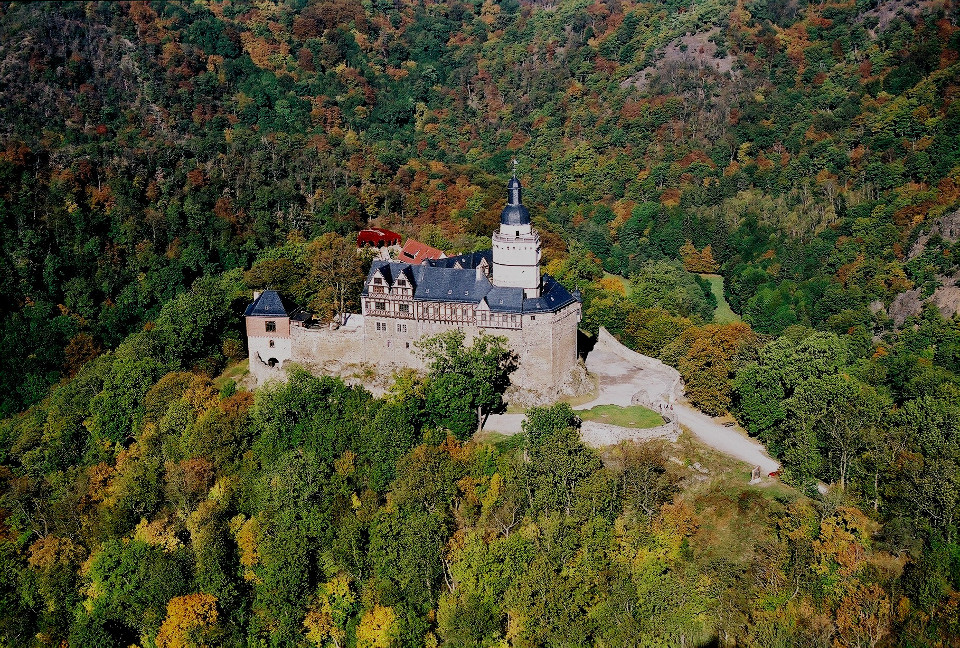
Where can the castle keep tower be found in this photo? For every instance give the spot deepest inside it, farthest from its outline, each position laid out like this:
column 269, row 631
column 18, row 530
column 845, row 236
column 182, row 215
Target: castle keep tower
column 516, row 246
column 498, row 291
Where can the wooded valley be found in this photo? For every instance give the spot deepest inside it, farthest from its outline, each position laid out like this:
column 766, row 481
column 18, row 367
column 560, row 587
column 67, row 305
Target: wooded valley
column 159, row 160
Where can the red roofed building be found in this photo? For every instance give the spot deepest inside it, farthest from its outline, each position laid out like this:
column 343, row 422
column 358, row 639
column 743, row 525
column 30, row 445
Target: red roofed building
column 416, row 252
column 377, row 238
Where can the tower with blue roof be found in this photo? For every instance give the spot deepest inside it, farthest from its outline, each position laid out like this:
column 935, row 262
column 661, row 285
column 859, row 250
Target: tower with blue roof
column 516, row 246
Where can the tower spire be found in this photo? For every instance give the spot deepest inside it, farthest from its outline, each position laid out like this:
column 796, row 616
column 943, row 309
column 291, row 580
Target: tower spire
column 514, row 202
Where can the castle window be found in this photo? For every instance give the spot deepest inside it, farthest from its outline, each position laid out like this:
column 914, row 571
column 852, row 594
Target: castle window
column 401, row 282
column 271, row 326
column 380, row 305
column 404, row 308
column 271, row 344
column 377, row 281
column 408, row 345
column 401, row 328
column 533, row 317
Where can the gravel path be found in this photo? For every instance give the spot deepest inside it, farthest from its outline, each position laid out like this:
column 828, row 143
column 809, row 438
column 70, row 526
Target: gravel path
column 728, row 440
column 623, row 374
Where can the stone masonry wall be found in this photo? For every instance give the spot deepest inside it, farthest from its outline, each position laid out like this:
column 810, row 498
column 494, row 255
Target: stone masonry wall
column 546, row 345
column 325, row 350
column 598, row 434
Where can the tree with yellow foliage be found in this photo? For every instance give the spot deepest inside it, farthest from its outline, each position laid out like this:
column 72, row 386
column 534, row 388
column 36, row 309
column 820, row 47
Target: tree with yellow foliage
column 330, row 612
column 377, row 627
column 189, row 621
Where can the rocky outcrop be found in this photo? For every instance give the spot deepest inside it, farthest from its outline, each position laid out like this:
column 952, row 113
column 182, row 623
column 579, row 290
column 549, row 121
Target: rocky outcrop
column 577, row 383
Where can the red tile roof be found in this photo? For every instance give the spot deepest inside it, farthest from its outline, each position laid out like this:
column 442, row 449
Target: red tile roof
column 377, row 237
column 416, row 252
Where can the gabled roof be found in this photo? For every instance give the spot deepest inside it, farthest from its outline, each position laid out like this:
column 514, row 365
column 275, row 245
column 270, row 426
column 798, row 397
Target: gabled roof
column 416, row 252
column 270, row 304
column 435, row 284
column 407, row 273
column 468, row 261
column 449, row 284
column 466, row 285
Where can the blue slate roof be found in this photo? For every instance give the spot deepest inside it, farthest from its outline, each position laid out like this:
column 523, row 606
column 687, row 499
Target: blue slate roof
column 446, row 284
column 514, row 213
column 506, row 300
column 270, row 304
column 470, row 260
column 553, row 297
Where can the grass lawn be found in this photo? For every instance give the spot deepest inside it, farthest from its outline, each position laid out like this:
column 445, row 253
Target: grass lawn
column 723, row 314
column 623, row 280
column 635, row 416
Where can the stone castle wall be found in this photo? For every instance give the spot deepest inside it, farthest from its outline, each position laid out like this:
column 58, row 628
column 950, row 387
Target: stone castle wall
column 546, row 343
column 322, row 347
column 546, row 346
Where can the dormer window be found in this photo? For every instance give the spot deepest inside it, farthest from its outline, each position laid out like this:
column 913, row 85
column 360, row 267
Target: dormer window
column 401, row 282
column 377, row 281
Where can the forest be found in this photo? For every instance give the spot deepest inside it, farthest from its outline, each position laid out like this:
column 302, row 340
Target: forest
column 159, row 160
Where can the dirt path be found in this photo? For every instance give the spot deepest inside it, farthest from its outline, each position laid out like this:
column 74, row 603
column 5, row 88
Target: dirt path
column 623, row 374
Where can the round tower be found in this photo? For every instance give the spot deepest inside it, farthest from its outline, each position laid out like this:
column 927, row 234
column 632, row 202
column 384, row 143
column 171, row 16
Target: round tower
column 516, row 246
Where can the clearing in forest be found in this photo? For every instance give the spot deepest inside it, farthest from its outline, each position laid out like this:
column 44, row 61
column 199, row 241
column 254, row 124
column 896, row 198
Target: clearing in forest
column 724, row 314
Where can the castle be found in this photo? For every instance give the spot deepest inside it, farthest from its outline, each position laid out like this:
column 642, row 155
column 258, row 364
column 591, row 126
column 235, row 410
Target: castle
column 498, row 291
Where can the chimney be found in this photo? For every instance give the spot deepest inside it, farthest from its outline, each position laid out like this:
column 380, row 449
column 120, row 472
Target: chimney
column 256, row 294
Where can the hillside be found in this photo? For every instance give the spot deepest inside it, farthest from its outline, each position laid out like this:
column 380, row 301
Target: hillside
column 159, row 160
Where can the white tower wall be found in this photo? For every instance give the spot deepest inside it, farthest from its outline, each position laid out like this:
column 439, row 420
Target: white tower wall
column 516, row 247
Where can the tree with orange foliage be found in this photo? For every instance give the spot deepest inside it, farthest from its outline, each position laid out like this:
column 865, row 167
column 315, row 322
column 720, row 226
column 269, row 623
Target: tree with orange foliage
column 863, row 618
column 697, row 261
column 79, row 350
column 708, row 357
